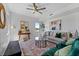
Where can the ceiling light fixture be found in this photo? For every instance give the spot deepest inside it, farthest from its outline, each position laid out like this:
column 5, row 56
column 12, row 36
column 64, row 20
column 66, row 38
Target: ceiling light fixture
column 36, row 8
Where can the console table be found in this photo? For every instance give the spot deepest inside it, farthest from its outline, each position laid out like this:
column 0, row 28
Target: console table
column 24, row 36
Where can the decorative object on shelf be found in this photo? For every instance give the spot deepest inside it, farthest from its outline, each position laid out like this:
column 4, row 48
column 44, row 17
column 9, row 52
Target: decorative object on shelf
column 2, row 16
column 24, row 32
column 76, row 34
column 42, row 25
column 53, row 28
column 55, row 25
column 60, row 25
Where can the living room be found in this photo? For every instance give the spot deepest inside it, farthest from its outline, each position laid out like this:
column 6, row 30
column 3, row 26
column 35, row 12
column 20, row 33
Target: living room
column 38, row 28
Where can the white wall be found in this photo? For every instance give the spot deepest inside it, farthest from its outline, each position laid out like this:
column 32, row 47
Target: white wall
column 4, row 34
column 15, row 20
column 77, row 20
column 70, row 22
column 8, row 34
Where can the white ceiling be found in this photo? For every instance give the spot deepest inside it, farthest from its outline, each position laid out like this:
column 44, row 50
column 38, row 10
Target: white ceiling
column 51, row 8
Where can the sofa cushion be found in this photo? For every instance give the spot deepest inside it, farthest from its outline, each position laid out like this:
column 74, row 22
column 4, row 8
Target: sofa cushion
column 64, row 51
column 70, row 41
column 75, row 48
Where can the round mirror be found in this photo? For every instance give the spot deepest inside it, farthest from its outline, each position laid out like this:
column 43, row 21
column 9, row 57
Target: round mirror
column 2, row 16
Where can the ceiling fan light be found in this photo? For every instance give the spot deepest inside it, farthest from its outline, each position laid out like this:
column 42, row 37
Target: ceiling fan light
column 36, row 9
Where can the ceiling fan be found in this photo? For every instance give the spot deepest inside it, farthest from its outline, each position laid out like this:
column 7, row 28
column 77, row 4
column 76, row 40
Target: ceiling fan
column 36, row 8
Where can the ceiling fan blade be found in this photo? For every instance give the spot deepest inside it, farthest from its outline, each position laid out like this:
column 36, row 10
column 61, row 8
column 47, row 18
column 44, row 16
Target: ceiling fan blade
column 30, row 9
column 33, row 12
column 40, row 12
column 41, row 8
column 34, row 5
column 50, row 14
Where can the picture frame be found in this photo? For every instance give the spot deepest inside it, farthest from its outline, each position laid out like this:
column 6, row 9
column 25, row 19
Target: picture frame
column 2, row 16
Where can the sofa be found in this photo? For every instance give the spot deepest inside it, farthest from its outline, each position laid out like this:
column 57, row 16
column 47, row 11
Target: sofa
column 69, row 48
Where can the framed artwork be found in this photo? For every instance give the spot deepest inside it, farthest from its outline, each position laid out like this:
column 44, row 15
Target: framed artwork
column 55, row 25
column 2, row 16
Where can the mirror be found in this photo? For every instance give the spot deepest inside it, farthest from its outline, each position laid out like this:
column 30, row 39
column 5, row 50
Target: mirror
column 2, row 16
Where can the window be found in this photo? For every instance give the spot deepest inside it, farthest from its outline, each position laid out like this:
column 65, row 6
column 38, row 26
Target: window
column 36, row 38
column 37, row 25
